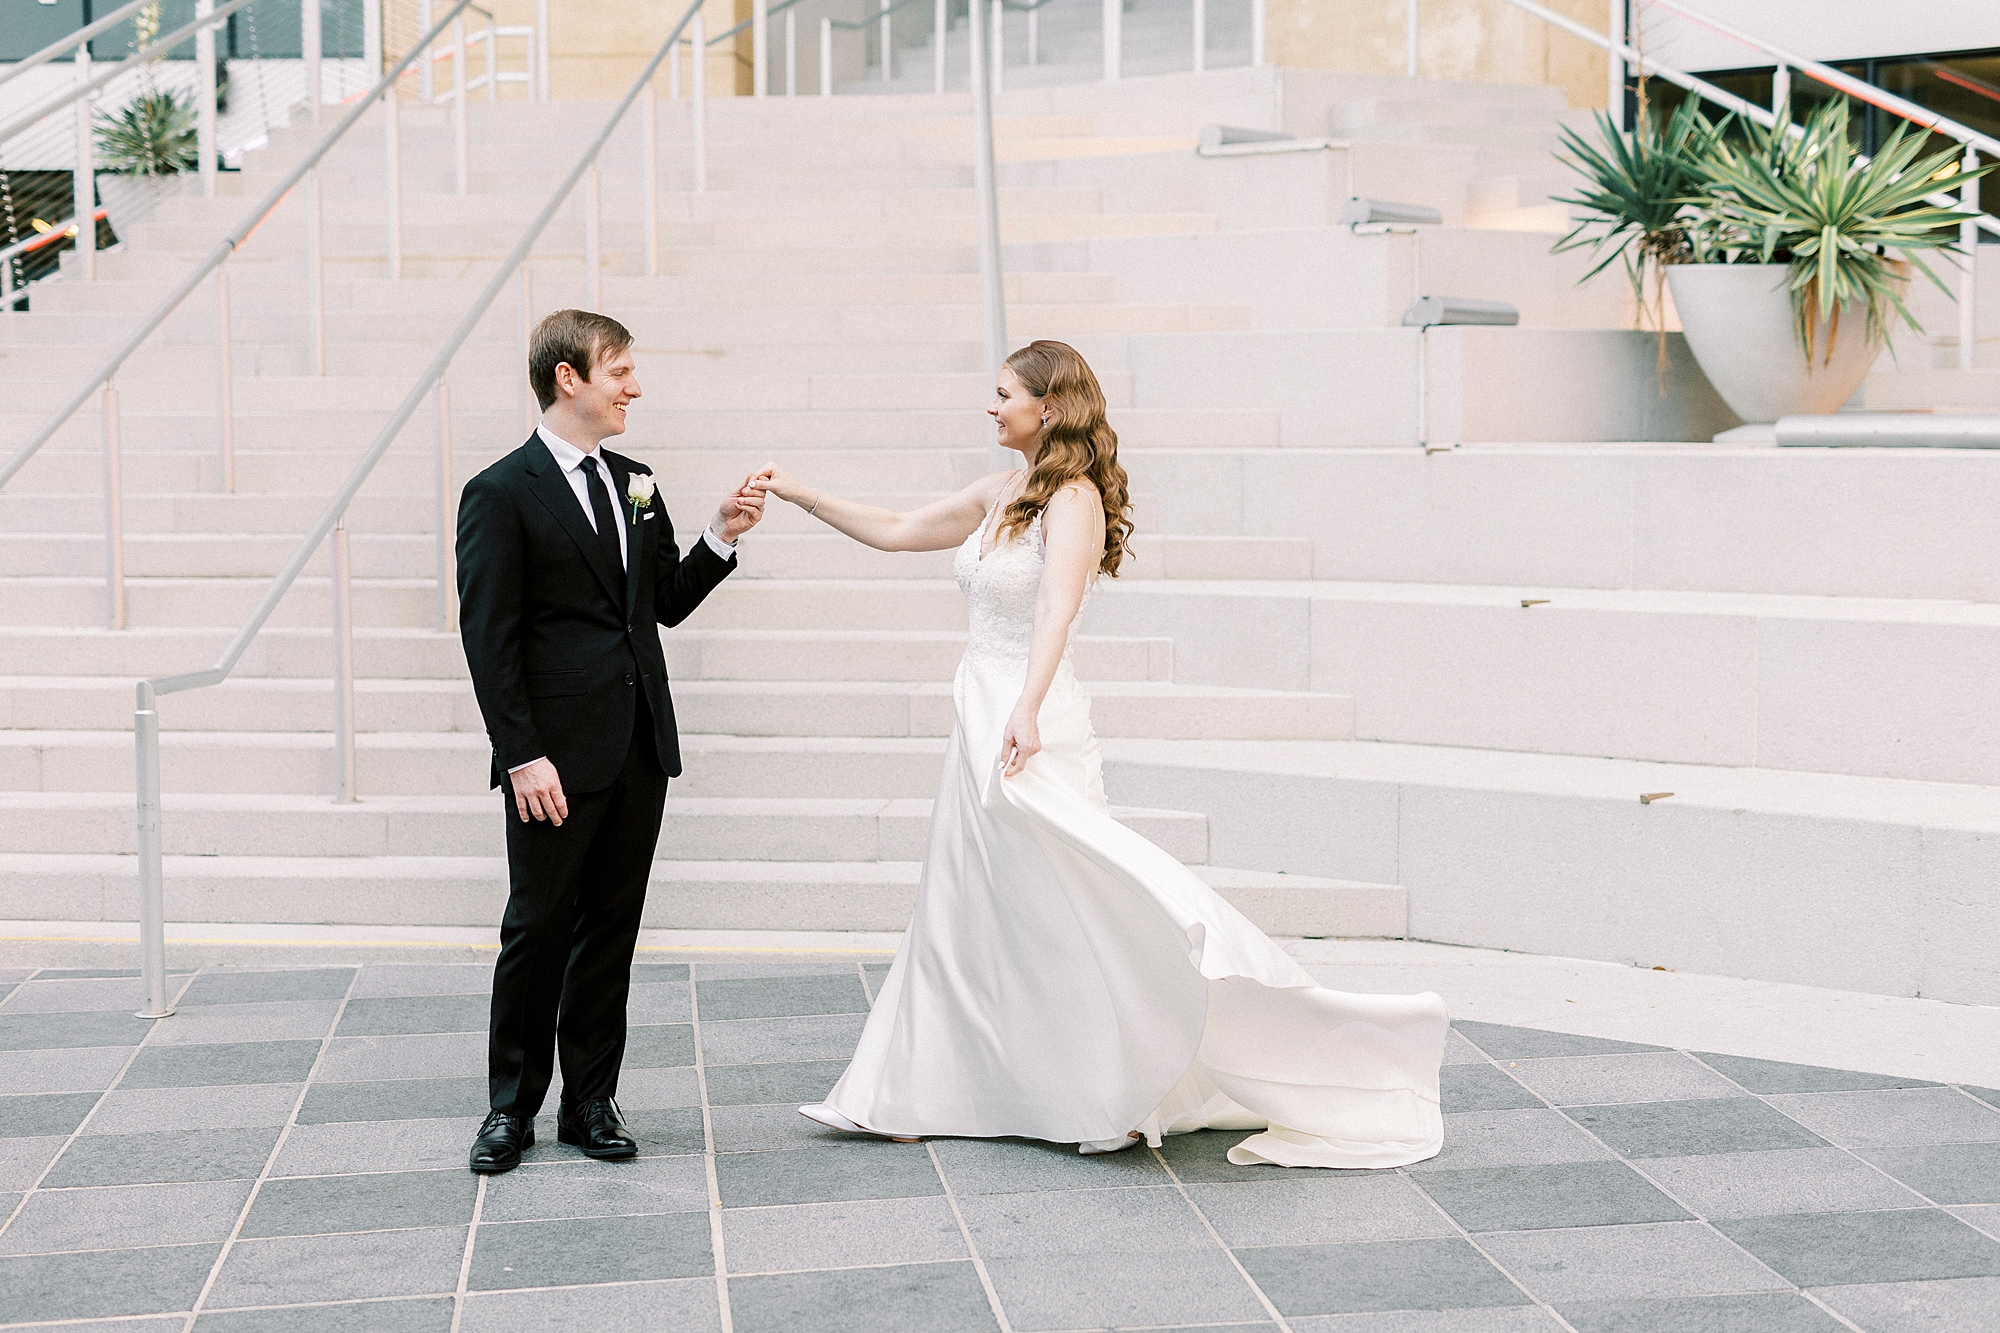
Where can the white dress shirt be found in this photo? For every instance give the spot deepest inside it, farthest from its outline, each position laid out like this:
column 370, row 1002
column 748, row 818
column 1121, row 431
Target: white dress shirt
column 570, row 459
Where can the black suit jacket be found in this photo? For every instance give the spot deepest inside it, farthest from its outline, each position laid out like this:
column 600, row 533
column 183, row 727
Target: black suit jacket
column 556, row 658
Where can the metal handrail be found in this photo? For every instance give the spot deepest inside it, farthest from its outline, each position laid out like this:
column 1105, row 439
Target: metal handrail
column 223, row 250
column 1846, row 83
column 146, row 733
column 137, row 58
column 77, row 38
column 1750, row 110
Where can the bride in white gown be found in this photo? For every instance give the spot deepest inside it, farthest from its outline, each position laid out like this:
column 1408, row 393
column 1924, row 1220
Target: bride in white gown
column 1064, row 979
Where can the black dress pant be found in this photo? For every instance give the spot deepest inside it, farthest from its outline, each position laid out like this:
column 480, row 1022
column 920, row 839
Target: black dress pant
column 573, row 905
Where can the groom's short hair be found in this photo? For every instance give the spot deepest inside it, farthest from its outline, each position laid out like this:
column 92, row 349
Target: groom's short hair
column 580, row 337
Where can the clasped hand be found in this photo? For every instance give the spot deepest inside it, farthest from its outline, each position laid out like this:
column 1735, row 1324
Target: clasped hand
column 741, row 511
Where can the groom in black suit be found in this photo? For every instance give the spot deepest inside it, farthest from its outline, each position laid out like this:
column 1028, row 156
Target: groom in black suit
column 566, row 559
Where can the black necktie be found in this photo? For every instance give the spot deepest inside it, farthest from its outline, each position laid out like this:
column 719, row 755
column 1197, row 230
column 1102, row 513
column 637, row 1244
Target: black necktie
column 607, row 521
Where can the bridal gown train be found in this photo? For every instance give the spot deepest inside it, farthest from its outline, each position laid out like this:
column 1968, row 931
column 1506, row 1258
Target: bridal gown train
column 1064, row 979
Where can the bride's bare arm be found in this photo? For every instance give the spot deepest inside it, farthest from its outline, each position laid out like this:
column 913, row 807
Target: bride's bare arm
column 1073, row 544
column 937, row 526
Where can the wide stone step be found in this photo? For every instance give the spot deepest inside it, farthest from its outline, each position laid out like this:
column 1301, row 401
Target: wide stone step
column 684, row 895
column 772, row 829
column 772, row 556
column 1811, row 878
column 738, row 738
column 390, row 658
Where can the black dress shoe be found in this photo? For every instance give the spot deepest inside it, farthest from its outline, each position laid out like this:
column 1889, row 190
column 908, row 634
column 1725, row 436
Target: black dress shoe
column 501, row 1139
column 597, row 1127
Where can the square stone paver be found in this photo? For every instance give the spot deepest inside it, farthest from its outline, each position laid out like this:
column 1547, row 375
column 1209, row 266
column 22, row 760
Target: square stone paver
column 380, row 1201
column 1567, row 1194
column 1767, row 1312
column 1511, row 1043
column 1512, row 1138
column 1790, row 1180
column 1134, row 1220
column 299, row 1270
column 1482, row 1087
column 1160, row 1290
column 591, row 1249
column 1839, row 1249
column 1014, row 1166
column 1692, row 1128
column 1944, row 1172
column 97, row 1284
column 227, row 985
column 221, row 1064
column 1441, row 1274
column 1959, row 1305
column 1771, row 1076
column 552, row 1190
column 164, row 1157
column 1649, row 1260
column 907, row 1298
column 856, row 1170
column 682, row 1305
column 1588, row 1080
column 780, row 997
column 840, row 1235
column 1318, row 1210
column 1908, row 1116
column 125, row 1216
column 422, row 1314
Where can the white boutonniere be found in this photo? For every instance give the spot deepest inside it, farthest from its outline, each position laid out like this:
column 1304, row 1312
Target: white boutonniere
column 640, row 490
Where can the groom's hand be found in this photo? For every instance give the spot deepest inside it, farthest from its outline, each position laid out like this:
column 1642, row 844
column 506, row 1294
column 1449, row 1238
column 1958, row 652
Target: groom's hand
column 740, row 512
column 538, row 792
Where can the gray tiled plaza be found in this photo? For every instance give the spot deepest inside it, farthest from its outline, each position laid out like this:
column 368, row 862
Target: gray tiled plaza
column 287, row 1153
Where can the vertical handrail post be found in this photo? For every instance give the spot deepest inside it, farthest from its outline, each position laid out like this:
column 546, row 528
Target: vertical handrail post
column 1781, row 91
column 1257, row 25
column 993, row 295
column 114, row 513
column 699, row 41
column 1614, row 78
column 593, row 259
column 204, row 99
column 83, row 191
column 888, row 45
column 760, row 48
column 315, row 273
column 674, row 71
column 371, row 42
column 1114, row 34
column 492, row 61
column 426, row 65
column 152, row 909
column 343, row 667
column 392, row 143
column 461, row 156
column 649, row 177
column 1413, row 29
column 225, row 383
column 999, row 47
column 1035, row 35
column 542, row 50
column 530, row 409
column 825, row 57
column 447, row 574
column 940, row 29
column 1968, row 279
column 309, row 49
column 1200, row 35
column 792, row 52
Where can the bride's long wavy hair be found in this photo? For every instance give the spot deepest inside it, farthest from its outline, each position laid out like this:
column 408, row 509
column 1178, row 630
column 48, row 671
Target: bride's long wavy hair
column 1078, row 443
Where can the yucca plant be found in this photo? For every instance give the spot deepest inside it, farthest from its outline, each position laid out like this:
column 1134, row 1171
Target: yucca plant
column 1642, row 194
column 1808, row 199
column 153, row 136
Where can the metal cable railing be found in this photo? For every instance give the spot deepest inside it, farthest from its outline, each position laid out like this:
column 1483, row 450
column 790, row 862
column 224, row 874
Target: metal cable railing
column 330, row 527
column 1623, row 54
column 100, row 379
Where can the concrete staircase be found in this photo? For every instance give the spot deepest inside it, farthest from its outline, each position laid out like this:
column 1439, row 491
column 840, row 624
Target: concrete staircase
column 1368, row 688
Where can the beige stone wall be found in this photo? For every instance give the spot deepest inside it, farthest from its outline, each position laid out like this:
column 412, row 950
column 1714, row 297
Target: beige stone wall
column 597, row 47
column 1488, row 40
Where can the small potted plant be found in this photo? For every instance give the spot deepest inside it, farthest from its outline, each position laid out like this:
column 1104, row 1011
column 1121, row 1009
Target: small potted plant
column 151, row 139
column 1787, row 252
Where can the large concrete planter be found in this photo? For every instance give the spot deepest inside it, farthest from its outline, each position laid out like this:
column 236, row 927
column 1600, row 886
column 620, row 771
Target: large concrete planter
column 1738, row 321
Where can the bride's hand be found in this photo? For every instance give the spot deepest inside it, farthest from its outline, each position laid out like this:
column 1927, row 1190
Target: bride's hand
column 774, row 480
column 1021, row 741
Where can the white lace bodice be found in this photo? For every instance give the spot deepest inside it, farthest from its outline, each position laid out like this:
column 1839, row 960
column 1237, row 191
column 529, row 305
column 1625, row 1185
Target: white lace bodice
column 1000, row 594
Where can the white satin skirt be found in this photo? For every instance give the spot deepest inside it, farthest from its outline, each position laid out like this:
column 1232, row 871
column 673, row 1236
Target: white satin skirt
column 1064, row 979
